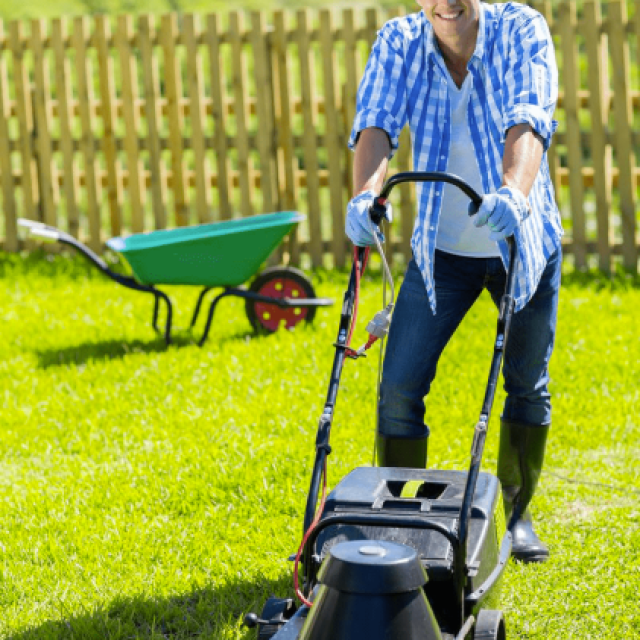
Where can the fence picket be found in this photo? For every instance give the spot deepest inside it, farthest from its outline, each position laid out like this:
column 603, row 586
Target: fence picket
column 219, row 116
column 307, row 85
column 625, row 155
column 287, row 162
column 264, row 108
column 191, row 33
column 25, row 120
column 350, row 88
column 173, row 90
column 571, row 82
column 332, row 138
column 374, row 21
column 107, row 110
column 239, row 65
column 41, row 97
column 129, row 88
column 600, row 150
column 64, row 96
column 152, row 117
column 87, row 144
column 8, row 183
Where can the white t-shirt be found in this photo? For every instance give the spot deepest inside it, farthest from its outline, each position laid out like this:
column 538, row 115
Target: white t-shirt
column 456, row 231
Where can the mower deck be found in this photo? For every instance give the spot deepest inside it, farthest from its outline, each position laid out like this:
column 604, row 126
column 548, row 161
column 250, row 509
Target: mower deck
column 423, row 496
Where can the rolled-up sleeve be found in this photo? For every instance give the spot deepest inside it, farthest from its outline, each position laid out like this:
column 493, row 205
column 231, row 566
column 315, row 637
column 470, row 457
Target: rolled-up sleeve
column 381, row 94
column 531, row 80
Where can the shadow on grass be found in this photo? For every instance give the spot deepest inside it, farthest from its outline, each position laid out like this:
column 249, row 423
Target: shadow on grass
column 106, row 350
column 203, row 613
column 114, row 349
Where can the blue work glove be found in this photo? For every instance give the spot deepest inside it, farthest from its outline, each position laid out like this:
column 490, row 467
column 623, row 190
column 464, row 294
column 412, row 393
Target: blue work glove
column 502, row 212
column 358, row 225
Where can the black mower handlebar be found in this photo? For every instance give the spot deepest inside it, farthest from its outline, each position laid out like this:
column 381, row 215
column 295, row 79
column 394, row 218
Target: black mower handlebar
column 377, row 209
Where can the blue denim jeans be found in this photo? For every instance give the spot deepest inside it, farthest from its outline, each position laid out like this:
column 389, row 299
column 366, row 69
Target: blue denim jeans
column 417, row 339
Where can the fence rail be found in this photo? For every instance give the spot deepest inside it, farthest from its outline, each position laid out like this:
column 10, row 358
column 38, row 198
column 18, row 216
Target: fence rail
column 111, row 126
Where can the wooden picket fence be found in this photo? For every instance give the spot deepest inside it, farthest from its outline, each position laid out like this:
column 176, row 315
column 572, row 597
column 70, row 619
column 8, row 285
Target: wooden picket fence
column 112, row 126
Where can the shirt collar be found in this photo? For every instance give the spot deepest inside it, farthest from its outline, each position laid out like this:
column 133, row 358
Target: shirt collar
column 478, row 52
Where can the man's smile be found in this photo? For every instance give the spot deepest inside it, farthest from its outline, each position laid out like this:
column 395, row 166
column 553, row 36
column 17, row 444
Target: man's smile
column 450, row 16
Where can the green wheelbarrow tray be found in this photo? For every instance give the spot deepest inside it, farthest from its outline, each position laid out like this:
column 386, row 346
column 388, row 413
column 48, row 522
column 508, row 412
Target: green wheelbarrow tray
column 216, row 255
column 219, row 254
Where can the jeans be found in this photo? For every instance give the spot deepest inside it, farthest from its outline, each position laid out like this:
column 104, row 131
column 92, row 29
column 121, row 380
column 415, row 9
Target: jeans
column 417, row 339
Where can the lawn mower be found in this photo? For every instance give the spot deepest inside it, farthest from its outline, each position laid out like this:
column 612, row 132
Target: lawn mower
column 396, row 553
column 218, row 255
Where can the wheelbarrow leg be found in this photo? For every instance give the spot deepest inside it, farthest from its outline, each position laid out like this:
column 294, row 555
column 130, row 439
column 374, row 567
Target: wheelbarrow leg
column 167, row 326
column 196, row 311
column 210, row 314
column 156, row 306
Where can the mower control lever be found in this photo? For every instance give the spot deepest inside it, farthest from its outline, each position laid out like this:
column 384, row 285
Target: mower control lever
column 251, row 620
column 378, row 210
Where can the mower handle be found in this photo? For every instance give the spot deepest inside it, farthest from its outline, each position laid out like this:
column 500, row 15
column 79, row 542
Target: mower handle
column 377, row 209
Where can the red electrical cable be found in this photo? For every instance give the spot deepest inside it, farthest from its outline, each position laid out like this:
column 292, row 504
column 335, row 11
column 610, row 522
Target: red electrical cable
column 359, row 274
column 370, row 341
column 312, row 526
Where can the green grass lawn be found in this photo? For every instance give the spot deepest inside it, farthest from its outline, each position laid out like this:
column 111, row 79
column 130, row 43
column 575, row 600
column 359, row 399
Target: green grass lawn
column 156, row 493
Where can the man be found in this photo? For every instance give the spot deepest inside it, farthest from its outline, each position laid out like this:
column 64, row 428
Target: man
column 477, row 85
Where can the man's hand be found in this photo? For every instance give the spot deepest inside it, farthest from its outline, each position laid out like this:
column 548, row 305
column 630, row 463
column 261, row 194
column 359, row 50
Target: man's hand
column 502, row 212
column 358, row 225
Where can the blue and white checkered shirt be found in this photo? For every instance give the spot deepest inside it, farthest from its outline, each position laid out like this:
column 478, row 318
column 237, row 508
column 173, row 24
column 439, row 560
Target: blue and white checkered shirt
column 515, row 81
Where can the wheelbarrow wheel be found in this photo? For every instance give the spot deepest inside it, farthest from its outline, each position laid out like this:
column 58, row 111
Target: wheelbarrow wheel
column 490, row 626
column 279, row 282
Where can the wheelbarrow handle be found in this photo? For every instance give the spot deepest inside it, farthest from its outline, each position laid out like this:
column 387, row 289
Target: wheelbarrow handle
column 40, row 230
column 52, row 234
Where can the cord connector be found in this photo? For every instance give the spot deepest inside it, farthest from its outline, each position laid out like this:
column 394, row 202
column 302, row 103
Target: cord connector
column 379, row 325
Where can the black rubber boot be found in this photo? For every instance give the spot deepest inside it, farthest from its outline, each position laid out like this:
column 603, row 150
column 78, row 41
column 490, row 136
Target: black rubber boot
column 519, row 466
column 410, row 453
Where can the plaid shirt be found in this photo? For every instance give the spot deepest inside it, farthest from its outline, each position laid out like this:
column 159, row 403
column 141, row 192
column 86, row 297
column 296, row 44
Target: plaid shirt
column 515, row 81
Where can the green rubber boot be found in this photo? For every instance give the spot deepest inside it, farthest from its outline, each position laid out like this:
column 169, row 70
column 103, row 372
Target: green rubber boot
column 410, row 453
column 520, row 461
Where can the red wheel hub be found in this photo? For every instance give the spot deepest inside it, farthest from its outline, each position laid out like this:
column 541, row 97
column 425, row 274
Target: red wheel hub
column 271, row 316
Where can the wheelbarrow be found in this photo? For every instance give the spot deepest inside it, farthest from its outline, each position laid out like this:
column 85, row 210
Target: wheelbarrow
column 219, row 255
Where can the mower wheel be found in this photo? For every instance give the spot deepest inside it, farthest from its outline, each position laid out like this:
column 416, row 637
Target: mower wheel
column 277, row 611
column 490, row 626
column 279, row 282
